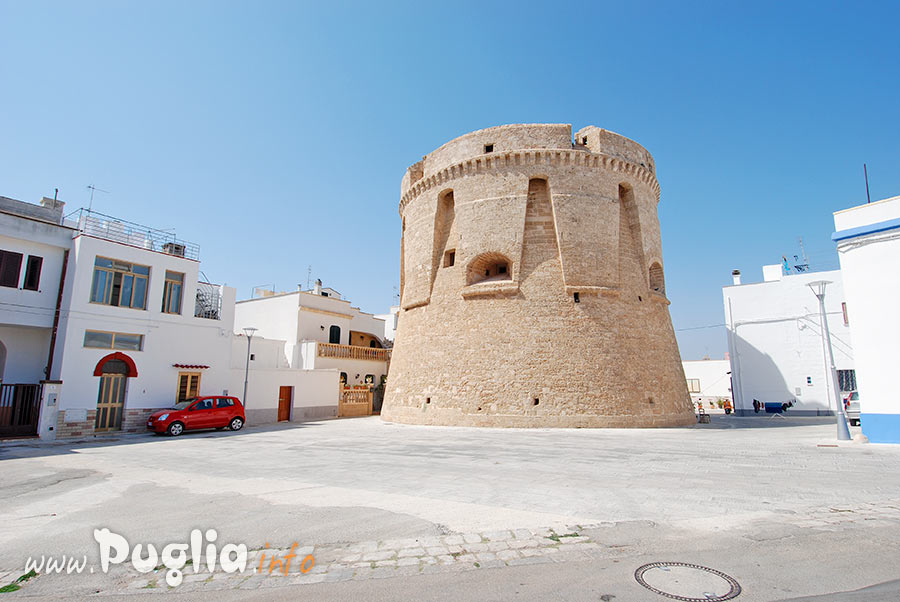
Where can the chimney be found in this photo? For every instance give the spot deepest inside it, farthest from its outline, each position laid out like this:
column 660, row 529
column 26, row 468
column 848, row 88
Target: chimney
column 772, row 273
column 55, row 206
column 736, row 275
column 317, row 289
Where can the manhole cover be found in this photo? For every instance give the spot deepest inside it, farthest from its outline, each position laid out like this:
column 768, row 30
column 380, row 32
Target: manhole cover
column 688, row 582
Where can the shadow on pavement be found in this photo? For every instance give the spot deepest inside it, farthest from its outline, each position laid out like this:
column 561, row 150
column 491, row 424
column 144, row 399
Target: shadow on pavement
column 723, row 421
column 33, row 448
column 889, row 591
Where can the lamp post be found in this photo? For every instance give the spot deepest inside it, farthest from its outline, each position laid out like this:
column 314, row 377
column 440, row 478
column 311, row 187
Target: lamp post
column 818, row 289
column 249, row 332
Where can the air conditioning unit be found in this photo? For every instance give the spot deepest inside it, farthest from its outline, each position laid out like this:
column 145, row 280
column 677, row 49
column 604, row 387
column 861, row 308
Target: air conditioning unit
column 173, row 248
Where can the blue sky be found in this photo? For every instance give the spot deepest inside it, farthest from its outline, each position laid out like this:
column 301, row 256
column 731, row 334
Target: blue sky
column 275, row 134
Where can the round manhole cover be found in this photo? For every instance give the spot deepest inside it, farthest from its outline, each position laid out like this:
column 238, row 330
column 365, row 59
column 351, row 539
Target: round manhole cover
column 688, row 582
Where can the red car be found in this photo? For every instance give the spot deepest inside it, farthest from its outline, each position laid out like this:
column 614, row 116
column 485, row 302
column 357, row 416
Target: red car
column 214, row 411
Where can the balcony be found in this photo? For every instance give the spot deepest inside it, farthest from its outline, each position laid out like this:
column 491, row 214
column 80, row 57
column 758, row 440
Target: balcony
column 98, row 225
column 352, row 352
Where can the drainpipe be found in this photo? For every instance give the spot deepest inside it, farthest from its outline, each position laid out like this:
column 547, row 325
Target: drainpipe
column 59, row 298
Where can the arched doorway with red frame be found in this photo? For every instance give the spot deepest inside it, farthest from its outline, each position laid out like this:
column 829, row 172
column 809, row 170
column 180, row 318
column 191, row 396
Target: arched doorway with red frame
column 114, row 371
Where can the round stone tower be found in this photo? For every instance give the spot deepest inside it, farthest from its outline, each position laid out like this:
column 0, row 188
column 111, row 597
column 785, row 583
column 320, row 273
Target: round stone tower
column 532, row 286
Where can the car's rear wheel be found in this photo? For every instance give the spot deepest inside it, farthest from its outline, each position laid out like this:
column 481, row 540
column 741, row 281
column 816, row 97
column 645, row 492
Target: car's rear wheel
column 175, row 429
column 236, row 424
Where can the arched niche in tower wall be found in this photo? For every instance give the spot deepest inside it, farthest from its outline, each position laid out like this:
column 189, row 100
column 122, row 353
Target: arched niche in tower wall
column 489, row 267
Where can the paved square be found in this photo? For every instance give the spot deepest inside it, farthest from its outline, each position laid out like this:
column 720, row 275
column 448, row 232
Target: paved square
column 758, row 499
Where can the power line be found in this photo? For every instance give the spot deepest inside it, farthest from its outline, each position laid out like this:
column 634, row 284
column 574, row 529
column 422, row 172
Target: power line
column 700, row 327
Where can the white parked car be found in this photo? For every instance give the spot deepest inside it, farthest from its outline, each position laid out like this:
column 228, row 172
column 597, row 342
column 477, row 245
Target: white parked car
column 851, row 408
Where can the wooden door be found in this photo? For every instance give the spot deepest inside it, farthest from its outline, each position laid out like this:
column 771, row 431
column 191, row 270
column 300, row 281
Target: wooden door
column 188, row 386
column 110, row 402
column 285, row 397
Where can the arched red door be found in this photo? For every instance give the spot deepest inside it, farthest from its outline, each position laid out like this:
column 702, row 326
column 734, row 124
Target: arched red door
column 113, row 371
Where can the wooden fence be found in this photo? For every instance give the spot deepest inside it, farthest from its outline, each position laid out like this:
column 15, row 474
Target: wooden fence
column 355, row 402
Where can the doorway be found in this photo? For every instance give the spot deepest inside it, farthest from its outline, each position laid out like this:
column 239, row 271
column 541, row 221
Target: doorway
column 285, row 397
column 111, row 397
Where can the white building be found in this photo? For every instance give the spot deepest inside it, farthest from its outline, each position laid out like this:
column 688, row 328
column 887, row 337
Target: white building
column 868, row 243
column 276, row 391
column 139, row 330
column 775, row 342
column 390, row 322
column 708, row 380
column 33, row 249
column 320, row 330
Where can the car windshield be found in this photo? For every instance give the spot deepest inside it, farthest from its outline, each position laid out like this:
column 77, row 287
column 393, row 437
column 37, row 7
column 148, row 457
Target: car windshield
column 183, row 405
column 854, row 396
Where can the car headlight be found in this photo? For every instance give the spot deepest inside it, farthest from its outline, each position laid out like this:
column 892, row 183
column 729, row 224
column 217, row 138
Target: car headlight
column 163, row 417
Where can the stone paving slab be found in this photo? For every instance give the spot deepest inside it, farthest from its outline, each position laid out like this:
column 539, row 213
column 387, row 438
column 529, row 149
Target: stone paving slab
column 382, row 559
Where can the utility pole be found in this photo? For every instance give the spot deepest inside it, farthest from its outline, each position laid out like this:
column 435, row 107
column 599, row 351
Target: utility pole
column 843, row 431
column 249, row 332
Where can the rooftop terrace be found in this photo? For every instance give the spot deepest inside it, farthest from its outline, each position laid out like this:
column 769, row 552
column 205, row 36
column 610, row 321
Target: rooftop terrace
column 107, row 227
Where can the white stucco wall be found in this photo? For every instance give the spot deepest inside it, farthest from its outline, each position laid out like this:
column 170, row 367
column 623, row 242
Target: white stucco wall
column 313, row 389
column 274, row 317
column 714, row 377
column 774, row 338
column 315, row 392
column 390, row 322
column 25, row 354
column 869, row 265
column 315, row 325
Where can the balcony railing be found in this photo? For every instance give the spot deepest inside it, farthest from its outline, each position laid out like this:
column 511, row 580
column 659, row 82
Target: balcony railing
column 209, row 301
column 352, row 352
column 122, row 231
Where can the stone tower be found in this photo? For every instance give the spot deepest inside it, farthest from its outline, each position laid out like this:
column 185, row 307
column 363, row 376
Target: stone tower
column 532, row 288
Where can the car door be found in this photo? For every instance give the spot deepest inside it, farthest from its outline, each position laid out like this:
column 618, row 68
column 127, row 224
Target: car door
column 224, row 411
column 201, row 415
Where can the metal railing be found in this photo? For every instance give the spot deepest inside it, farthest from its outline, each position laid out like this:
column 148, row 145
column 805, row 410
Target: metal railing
column 107, row 227
column 19, row 409
column 209, row 301
column 352, row 352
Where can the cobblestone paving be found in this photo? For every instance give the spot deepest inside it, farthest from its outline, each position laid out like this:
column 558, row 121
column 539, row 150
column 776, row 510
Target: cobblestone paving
column 393, row 557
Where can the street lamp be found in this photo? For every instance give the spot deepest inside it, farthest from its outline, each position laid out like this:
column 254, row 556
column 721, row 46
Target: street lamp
column 249, row 332
column 818, row 289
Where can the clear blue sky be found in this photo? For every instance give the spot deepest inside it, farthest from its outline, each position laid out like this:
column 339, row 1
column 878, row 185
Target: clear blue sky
column 275, row 134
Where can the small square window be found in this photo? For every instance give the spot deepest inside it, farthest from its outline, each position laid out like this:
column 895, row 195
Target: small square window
column 488, row 148
column 449, row 258
column 252, row 357
column 584, row 141
column 576, row 297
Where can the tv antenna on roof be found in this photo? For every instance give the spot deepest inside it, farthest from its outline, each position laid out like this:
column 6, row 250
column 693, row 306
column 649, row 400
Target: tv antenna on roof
column 92, row 188
column 804, row 266
column 308, row 276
